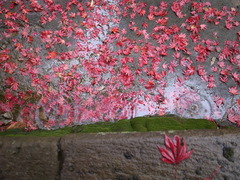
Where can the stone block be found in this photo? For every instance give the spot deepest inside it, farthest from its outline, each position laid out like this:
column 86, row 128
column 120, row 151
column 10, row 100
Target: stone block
column 29, row 158
column 134, row 156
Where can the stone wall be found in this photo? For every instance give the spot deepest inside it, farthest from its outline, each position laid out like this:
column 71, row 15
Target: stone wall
column 118, row 156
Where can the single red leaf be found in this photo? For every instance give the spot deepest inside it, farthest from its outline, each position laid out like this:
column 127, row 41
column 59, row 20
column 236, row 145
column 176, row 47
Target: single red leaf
column 115, row 30
column 176, row 150
column 51, row 55
column 233, row 90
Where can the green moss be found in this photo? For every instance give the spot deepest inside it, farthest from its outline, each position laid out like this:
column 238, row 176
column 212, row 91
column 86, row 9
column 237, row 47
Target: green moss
column 20, row 132
column 139, row 124
column 121, row 126
column 198, row 124
column 94, row 128
column 163, row 123
column 58, row 132
column 228, row 153
column 177, row 123
column 143, row 124
column 12, row 132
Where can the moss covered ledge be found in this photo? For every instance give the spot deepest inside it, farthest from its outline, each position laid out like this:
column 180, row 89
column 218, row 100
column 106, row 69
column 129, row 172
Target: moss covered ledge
column 138, row 124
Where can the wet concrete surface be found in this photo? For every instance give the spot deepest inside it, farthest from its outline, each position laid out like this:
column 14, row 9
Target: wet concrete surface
column 156, row 80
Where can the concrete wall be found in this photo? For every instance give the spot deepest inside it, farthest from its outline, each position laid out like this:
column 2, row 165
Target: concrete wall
column 118, row 156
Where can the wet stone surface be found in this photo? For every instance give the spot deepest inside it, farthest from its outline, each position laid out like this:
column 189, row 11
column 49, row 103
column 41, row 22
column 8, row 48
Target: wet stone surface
column 75, row 62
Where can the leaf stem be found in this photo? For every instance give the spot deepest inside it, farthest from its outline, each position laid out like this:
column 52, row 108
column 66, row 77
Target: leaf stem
column 214, row 173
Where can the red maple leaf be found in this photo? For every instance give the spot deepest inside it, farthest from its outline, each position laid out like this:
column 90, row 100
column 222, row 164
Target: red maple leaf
column 149, row 84
column 238, row 102
column 4, row 57
column 115, row 30
column 233, row 90
column 9, row 67
column 51, row 55
column 175, row 151
column 10, row 81
column 218, row 100
column 190, row 70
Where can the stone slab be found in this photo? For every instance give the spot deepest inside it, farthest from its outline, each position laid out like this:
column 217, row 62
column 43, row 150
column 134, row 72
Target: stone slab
column 29, row 158
column 134, row 156
column 119, row 156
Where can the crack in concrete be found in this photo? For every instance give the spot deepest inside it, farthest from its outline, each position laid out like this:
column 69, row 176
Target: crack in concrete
column 60, row 157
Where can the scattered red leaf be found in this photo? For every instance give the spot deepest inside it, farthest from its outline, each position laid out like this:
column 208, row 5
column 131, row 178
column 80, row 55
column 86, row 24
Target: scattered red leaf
column 115, row 30
column 176, row 150
column 51, row 55
column 233, row 90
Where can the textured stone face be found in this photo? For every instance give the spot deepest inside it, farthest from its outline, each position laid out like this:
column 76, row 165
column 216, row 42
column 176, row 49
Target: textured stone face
column 118, row 156
column 135, row 156
column 28, row 158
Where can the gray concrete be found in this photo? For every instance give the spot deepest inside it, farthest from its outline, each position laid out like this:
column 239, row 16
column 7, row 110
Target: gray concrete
column 175, row 96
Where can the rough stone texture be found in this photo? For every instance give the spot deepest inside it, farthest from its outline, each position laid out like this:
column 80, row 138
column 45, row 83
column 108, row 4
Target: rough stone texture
column 134, row 156
column 118, row 156
column 29, row 158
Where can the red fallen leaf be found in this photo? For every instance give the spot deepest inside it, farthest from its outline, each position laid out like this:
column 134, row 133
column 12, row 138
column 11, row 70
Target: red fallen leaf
column 151, row 17
column 10, row 81
column 4, row 57
column 238, row 101
column 235, row 76
column 115, row 30
column 149, row 85
column 177, row 7
column 175, row 151
column 9, row 67
column 201, row 71
column 8, row 15
column 30, row 39
column 144, row 25
column 190, row 70
column 233, row 90
column 51, row 55
column 223, row 79
column 218, row 100
column 224, row 72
